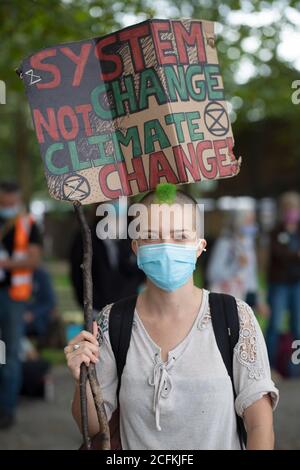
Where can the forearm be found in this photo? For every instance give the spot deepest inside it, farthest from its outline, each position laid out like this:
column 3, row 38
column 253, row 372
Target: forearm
column 93, row 424
column 260, row 438
column 258, row 420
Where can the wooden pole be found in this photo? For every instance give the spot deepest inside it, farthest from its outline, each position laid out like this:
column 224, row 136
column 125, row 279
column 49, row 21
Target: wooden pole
column 89, row 373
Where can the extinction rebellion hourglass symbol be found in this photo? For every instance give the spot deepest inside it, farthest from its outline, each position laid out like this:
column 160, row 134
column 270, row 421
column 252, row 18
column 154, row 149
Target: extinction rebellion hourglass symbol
column 216, row 119
column 76, row 187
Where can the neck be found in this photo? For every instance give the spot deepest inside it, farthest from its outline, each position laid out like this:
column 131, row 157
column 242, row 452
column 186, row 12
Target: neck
column 163, row 303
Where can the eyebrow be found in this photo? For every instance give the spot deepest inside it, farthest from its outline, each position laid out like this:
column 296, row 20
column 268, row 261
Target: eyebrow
column 172, row 232
column 180, row 231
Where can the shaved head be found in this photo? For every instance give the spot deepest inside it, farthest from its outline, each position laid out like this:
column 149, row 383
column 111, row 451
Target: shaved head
column 182, row 217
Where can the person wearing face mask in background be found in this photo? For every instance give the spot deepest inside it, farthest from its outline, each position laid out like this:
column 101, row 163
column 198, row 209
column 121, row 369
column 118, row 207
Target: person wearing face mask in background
column 232, row 266
column 175, row 391
column 284, row 273
column 113, row 261
column 20, row 251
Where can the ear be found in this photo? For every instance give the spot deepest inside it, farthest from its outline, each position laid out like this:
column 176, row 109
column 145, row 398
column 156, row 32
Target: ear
column 202, row 247
column 134, row 246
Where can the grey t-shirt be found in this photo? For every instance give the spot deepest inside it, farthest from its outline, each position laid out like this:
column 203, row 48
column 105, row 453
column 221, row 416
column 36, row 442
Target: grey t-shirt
column 186, row 402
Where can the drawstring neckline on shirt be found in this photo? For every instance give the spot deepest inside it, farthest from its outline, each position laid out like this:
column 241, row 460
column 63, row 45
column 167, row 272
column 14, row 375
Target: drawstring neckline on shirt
column 162, row 382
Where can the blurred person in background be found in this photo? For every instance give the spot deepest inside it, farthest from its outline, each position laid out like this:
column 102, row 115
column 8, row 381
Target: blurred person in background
column 20, row 251
column 114, row 271
column 40, row 310
column 37, row 381
column 284, row 273
column 232, row 266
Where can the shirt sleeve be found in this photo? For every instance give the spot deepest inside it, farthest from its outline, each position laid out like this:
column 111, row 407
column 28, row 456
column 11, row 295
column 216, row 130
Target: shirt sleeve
column 106, row 368
column 251, row 369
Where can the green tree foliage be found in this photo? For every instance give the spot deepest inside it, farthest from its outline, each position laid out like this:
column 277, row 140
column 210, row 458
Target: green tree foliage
column 262, row 22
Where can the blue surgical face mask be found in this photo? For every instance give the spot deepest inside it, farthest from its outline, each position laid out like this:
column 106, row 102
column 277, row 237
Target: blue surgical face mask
column 167, row 265
column 9, row 212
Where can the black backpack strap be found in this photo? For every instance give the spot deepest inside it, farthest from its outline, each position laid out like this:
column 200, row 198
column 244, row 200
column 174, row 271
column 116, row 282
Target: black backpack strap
column 225, row 322
column 120, row 325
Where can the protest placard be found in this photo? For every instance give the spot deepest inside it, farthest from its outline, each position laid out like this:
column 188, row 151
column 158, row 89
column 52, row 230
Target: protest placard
column 119, row 114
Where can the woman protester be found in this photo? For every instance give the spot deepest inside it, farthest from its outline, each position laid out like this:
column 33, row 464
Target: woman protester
column 176, row 391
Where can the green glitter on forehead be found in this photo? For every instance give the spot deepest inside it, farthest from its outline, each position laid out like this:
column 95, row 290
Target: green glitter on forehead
column 165, row 193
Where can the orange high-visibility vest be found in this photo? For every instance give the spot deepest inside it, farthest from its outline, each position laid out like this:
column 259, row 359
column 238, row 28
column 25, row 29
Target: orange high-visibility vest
column 21, row 278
